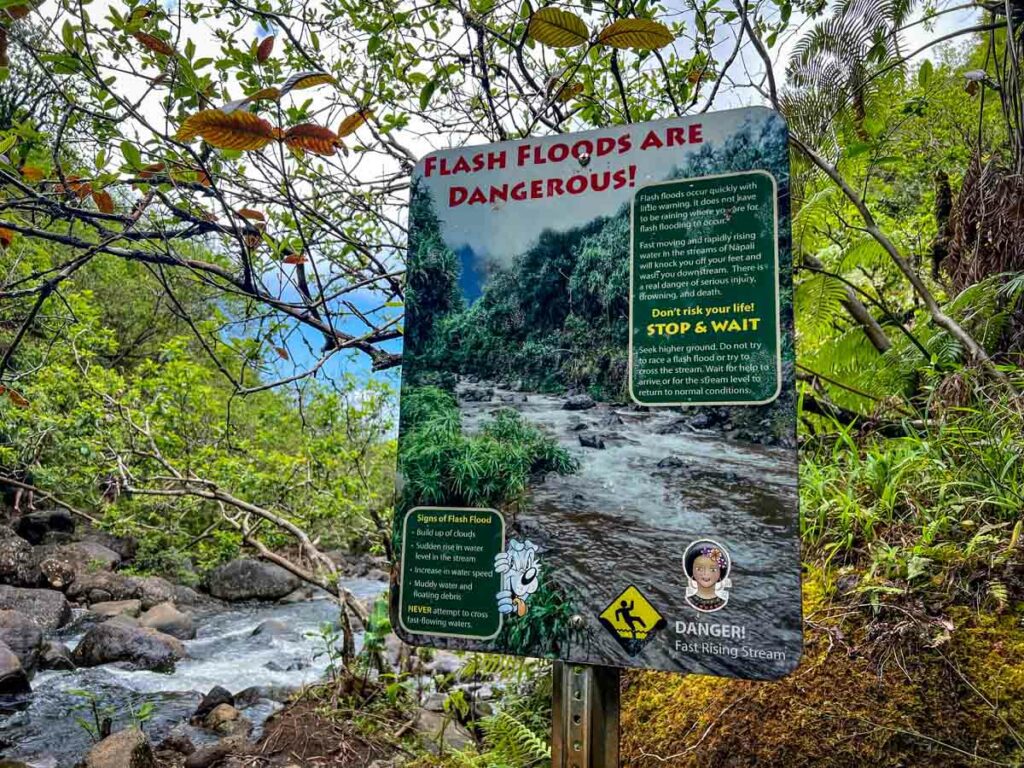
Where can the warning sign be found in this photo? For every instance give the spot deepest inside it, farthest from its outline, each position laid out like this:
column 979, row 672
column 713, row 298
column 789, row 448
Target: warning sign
column 632, row 620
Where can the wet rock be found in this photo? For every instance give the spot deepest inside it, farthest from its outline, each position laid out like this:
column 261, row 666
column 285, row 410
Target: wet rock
column 477, row 394
column 17, row 565
column 578, row 403
column 212, row 754
column 46, row 526
column 612, row 420
column 579, row 426
column 55, row 655
column 179, row 742
column 293, row 666
column 154, row 590
column 166, row 618
column 13, row 678
column 211, row 701
column 376, row 574
column 673, row 462
column 674, row 427
column 226, row 720
column 303, row 594
column 108, row 610
column 273, row 628
column 511, row 397
column 257, row 693
column 591, row 441
column 126, row 749
column 103, row 587
column 24, row 637
column 118, row 640
column 247, row 579
column 47, row 608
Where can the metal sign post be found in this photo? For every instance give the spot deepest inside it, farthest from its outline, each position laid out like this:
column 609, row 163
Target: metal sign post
column 584, row 716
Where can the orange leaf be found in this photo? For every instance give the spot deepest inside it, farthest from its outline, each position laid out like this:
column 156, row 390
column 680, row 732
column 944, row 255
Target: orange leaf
column 301, row 80
column 312, row 138
column 18, row 11
column 33, row 173
column 239, row 130
column 80, row 189
column 249, row 213
column 295, row 258
column 154, row 43
column 204, row 178
column 6, row 237
column 265, row 49
column 281, row 352
column 15, row 397
column 104, row 202
column 352, row 122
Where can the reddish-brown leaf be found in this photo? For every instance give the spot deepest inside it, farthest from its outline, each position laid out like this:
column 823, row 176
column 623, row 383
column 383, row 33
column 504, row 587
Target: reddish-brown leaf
column 301, row 80
column 6, row 237
column 282, row 353
column 239, row 130
column 104, row 202
column 151, row 170
column 249, row 213
column 295, row 258
column 18, row 11
column 312, row 138
column 15, row 397
column 154, row 43
column 76, row 187
column 266, row 47
column 351, row 123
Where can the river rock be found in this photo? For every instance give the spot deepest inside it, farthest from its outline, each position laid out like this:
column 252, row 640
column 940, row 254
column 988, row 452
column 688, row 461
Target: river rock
column 47, row 608
column 103, row 587
column 211, row 701
column 17, row 565
column 13, row 678
column 212, row 754
column 46, row 526
column 437, row 728
column 166, row 618
column 591, row 441
column 155, row 590
column 61, row 564
column 673, row 462
column 176, row 741
column 227, row 721
column 273, row 628
column 578, row 403
column 119, row 640
column 108, row 610
column 477, row 394
column 55, row 655
column 303, row 594
column 23, row 636
column 257, row 693
column 126, row 547
column 125, row 749
column 247, row 579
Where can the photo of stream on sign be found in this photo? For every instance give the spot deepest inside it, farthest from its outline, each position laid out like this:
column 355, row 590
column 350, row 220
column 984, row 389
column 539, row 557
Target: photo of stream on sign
column 597, row 435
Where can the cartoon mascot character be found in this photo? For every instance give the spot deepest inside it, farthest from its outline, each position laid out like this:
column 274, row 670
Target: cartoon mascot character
column 520, row 576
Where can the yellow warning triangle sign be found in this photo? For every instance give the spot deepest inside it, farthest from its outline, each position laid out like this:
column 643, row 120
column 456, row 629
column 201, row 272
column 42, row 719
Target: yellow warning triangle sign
column 631, row 616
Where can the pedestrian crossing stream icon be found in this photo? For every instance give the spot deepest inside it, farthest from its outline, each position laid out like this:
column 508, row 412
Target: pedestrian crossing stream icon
column 632, row 619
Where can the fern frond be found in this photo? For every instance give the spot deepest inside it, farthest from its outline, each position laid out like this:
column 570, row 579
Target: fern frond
column 818, row 300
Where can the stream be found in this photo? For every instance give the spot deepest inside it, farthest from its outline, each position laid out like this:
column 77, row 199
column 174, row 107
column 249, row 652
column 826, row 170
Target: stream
column 623, row 520
column 225, row 652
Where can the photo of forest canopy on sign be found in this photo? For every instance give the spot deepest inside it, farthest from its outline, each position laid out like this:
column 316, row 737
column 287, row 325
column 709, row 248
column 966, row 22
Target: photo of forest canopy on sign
column 515, row 397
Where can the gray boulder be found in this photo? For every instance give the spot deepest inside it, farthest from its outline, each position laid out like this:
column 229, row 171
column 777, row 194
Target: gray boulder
column 103, row 587
column 166, row 618
column 120, row 640
column 247, row 579
column 108, row 610
column 213, row 754
column 17, row 565
column 125, row 749
column 578, row 403
column 590, row 440
column 23, row 636
column 55, row 655
column 217, row 696
column 47, row 608
column 155, row 590
column 13, row 678
column 46, row 527
column 61, row 564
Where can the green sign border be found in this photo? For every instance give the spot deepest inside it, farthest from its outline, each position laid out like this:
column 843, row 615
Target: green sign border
column 778, row 318
column 401, row 572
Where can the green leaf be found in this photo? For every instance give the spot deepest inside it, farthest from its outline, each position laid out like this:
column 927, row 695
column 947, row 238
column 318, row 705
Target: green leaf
column 131, row 154
column 6, row 144
column 924, row 74
column 427, row 92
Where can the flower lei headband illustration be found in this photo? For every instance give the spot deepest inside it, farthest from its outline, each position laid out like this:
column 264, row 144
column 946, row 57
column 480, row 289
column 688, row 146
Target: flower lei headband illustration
column 714, row 553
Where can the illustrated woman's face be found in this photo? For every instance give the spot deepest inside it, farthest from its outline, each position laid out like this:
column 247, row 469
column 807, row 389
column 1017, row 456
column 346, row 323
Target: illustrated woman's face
column 706, row 572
